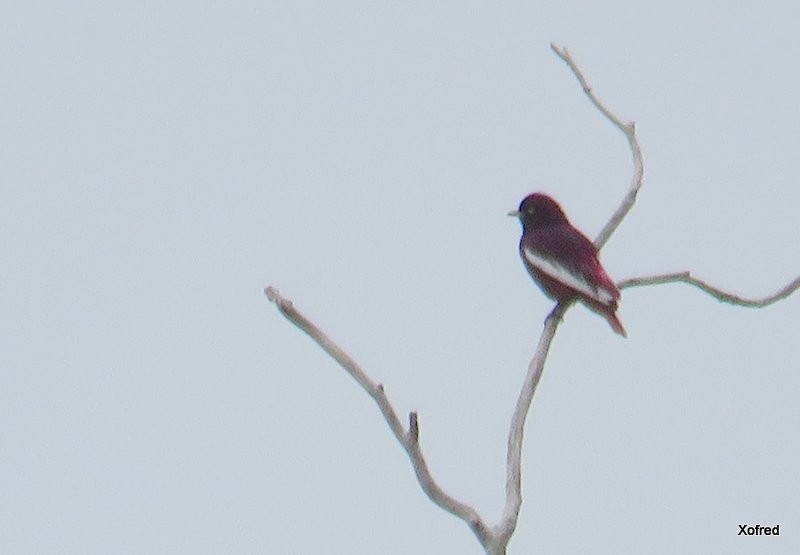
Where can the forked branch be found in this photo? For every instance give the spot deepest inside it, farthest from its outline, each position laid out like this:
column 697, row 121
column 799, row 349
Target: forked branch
column 508, row 523
column 495, row 540
column 408, row 439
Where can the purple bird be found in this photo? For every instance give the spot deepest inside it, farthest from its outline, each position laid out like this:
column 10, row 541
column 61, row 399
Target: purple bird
column 562, row 261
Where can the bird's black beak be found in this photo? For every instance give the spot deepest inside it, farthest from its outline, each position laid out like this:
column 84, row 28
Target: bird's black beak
column 513, row 213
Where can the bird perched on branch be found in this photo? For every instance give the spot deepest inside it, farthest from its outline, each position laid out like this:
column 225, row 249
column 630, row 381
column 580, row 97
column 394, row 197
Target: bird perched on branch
column 562, row 261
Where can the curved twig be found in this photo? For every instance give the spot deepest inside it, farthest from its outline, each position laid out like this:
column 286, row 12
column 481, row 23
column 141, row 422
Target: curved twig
column 719, row 294
column 408, row 439
column 629, row 129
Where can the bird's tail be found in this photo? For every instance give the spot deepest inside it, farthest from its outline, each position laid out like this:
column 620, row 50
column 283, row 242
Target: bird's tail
column 615, row 324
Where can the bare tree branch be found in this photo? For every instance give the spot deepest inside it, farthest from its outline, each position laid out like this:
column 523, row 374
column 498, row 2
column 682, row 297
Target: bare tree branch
column 508, row 522
column 409, row 440
column 629, row 129
column 495, row 540
column 719, row 294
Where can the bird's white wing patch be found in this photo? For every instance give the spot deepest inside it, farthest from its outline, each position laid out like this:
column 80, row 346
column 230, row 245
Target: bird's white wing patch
column 562, row 274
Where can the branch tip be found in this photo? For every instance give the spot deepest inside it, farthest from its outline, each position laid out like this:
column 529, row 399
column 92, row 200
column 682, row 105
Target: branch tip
column 274, row 296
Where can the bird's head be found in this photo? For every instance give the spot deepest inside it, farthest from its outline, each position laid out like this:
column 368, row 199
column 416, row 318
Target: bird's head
column 538, row 210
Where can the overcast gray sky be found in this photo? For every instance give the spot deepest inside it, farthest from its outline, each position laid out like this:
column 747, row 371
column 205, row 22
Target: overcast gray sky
column 162, row 161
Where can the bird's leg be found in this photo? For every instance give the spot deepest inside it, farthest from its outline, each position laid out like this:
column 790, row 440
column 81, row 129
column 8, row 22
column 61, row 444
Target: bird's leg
column 558, row 311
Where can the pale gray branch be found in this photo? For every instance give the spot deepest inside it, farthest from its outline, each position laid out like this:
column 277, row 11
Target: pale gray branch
column 409, row 439
column 508, row 523
column 629, row 129
column 719, row 294
column 494, row 541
